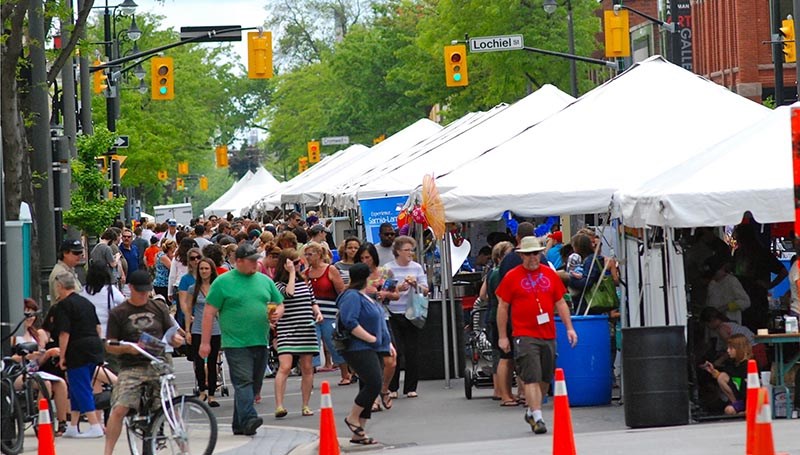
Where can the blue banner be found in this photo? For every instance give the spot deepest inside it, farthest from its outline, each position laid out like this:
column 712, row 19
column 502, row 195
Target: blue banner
column 378, row 211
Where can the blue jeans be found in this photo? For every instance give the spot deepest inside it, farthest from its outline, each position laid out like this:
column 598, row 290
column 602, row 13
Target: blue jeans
column 325, row 332
column 246, row 367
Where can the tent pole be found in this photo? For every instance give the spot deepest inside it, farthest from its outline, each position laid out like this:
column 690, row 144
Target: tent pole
column 453, row 317
column 445, row 291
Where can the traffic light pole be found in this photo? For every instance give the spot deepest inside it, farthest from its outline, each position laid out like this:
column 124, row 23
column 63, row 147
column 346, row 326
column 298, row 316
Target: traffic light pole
column 608, row 63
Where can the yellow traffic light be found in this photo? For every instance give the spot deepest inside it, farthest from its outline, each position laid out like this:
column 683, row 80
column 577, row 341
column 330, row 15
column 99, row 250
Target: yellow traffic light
column 183, row 167
column 455, row 65
column 616, row 28
column 788, row 38
column 302, row 164
column 162, row 79
column 221, row 153
column 203, row 183
column 179, row 184
column 102, row 163
column 163, row 175
column 99, row 79
column 313, row 152
column 259, row 55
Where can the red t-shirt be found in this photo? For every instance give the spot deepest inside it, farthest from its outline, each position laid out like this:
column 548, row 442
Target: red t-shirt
column 150, row 255
column 525, row 291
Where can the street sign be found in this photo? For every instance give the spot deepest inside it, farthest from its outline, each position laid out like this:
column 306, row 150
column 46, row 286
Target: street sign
column 121, row 142
column 496, row 43
column 336, row 140
column 194, row 32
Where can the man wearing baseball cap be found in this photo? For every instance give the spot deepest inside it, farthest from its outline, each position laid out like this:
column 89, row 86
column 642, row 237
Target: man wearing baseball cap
column 533, row 293
column 69, row 255
column 172, row 230
column 552, row 251
column 240, row 298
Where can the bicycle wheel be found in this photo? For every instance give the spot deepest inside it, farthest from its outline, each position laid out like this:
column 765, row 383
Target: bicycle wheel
column 37, row 389
column 12, row 422
column 137, row 433
column 195, row 429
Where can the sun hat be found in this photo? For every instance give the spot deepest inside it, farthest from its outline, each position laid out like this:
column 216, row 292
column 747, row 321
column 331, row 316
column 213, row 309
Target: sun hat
column 530, row 244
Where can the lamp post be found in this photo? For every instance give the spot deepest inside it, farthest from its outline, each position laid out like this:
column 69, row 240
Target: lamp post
column 550, row 7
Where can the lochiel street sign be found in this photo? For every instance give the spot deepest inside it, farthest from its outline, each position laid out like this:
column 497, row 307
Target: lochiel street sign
column 496, row 43
column 121, row 142
column 193, row 32
column 336, row 140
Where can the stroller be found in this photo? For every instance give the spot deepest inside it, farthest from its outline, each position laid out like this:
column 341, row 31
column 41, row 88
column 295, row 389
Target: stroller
column 479, row 350
column 222, row 384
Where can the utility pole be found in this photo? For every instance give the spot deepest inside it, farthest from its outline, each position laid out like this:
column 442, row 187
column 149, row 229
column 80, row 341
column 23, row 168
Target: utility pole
column 86, row 88
column 42, row 158
column 68, row 88
column 777, row 50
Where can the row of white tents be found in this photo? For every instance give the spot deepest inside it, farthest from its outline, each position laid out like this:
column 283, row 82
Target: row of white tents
column 243, row 193
column 657, row 145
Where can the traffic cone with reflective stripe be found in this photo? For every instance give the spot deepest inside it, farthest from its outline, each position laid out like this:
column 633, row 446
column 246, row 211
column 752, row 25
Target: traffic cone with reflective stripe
column 753, row 388
column 762, row 440
column 47, row 443
column 328, row 441
column 563, row 438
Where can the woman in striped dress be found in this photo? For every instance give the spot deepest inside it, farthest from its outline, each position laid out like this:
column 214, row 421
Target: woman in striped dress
column 296, row 334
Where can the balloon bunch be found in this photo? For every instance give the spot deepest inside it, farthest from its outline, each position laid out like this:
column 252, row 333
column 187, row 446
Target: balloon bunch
column 544, row 228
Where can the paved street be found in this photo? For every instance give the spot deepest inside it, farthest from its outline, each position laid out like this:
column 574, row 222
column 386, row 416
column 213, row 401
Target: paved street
column 444, row 421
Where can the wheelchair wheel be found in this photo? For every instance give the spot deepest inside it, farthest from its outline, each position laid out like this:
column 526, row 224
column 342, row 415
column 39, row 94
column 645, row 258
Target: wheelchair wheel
column 468, row 380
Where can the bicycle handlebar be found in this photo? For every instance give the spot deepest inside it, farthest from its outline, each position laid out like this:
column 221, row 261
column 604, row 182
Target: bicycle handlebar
column 138, row 348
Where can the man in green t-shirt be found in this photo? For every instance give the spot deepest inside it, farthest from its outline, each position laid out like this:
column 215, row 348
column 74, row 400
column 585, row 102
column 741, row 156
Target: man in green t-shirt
column 241, row 298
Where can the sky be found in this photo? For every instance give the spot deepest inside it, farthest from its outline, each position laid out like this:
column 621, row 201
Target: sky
column 183, row 13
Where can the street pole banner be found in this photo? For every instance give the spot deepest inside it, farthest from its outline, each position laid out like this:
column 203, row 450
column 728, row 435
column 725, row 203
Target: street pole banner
column 378, row 211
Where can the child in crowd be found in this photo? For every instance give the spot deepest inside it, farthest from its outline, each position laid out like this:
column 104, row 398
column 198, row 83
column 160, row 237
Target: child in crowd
column 732, row 375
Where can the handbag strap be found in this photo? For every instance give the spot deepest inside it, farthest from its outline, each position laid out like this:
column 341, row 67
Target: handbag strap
column 596, row 286
column 109, row 298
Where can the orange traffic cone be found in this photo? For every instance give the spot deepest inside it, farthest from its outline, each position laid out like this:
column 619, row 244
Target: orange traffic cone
column 753, row 388
column 47, row 443
column 328, row 441
column 762, row 441
column 563, row 439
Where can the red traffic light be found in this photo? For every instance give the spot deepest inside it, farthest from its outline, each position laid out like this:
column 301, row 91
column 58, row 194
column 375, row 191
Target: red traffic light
column 455, row 57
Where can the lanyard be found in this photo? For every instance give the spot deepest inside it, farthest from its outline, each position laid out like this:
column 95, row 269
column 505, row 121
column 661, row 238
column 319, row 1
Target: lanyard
column 534, row 284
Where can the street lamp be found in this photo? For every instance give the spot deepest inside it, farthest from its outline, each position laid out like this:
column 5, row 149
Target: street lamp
column 126, row 7
column 139, row 72
column 133, row 31
column 550, row 7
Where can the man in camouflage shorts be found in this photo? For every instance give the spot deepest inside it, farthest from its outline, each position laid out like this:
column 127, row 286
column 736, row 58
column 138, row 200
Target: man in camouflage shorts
column 128, row 322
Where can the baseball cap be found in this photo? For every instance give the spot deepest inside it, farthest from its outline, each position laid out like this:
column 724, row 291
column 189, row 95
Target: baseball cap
column 557, row 236
column 140, row 281
column 172, row 222
column 317, row 228
column 247, row 251
column 74, row 245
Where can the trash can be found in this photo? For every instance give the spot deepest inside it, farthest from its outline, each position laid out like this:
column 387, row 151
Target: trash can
column 655, row 384
column 587, row 366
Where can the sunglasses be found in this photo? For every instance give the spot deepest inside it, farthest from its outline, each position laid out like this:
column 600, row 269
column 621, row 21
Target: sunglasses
column 194, row 258
column 389, row 234
column 126, row 236
column 529, row 253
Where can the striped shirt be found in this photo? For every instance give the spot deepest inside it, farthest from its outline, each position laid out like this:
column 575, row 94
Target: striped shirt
column 297, row 333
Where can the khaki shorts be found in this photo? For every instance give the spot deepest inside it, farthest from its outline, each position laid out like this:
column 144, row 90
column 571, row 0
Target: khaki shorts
column 130, row 385
column 535, row 359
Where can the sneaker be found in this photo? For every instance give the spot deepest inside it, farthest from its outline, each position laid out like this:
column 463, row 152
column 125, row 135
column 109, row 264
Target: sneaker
column 539, row 427
column 280, row 412
column 529, row 419
column 71, row 432
column 251, row 426
column 95, row 431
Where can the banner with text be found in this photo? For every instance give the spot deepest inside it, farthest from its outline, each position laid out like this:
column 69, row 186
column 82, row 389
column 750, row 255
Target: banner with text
column 378, row 211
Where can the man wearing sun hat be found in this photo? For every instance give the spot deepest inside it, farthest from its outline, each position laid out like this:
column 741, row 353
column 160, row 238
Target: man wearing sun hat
column 533, row 292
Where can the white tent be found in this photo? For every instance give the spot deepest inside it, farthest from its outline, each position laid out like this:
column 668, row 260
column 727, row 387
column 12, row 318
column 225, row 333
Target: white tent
column 218, row 207
column 652, row 117
column 260, row 184
column 461, row 144
column 357, row 162
column 751, row 170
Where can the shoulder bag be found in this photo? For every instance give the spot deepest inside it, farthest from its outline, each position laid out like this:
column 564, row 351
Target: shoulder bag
column 417, row 310
column 602, row 297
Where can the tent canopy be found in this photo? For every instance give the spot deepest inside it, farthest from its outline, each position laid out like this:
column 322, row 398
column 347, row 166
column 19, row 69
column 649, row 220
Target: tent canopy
column 653, row 116
column 462, row 143
column 260, row 184
column 219, row 206
column 751, row 170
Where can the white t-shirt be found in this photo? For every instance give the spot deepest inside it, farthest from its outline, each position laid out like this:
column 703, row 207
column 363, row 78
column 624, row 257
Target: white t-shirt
column 400, row 274
column 102, row 303
column 385, row 254
column 794, row 277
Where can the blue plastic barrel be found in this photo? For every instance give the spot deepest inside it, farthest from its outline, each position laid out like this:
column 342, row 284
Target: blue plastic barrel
column 587, row 366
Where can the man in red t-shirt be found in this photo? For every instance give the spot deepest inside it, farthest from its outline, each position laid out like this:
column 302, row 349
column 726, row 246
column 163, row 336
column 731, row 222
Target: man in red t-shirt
column 534, row 292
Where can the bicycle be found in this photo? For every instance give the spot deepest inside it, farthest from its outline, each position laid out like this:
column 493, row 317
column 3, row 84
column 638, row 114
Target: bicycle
column 182, row 425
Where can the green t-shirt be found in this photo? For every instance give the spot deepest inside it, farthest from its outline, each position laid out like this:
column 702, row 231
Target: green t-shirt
column 242, row 304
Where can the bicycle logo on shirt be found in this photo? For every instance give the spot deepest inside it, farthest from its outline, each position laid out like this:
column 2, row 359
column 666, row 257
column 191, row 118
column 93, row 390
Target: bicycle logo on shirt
column 540, row 284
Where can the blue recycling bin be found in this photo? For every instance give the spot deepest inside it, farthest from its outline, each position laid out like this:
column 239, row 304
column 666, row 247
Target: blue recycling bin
column 587, row 366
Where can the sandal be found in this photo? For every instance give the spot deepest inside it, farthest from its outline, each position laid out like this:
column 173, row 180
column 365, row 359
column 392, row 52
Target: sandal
column 386, row 400
column 357, row 430
column 212, row 403
column 281, row 412
column 345, row 382
column 412, row 394
column 307, row 412
column 510, row 404
column 364, row 441
column 376, row 407
column 393, row 395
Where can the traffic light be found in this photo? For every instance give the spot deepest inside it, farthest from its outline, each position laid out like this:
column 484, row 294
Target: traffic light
column 259, row 55
column 221, row 152
column 183, row 167
column 179, row 184
column 616, row 28
column 313, row 152
column 203, row 181
column 163, row 175
column 99, row 79
column 102, row 163
column 162, row 79
column 455, row 65
column 379, row 139
column 302, row 164
column 788, row 38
